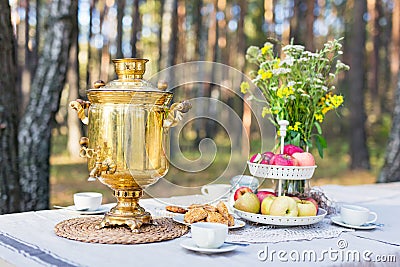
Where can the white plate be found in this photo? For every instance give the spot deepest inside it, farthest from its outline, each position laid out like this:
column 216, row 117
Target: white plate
column 339, row 221
column 101, row 210
column 189, row 244
column 179, row 219
column 281, row 220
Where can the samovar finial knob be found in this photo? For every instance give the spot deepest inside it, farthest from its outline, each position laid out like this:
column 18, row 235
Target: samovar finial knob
column 130, row 68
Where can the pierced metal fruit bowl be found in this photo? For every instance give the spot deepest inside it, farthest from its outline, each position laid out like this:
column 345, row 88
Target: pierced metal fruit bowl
column 281, row 220
column 281, row 172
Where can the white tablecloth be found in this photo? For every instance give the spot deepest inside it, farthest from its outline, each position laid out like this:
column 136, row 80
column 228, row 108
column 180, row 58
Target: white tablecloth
column 28, row 239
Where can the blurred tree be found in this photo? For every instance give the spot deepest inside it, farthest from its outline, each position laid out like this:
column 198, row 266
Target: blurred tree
column 74, row 125
column 120, row 15
column 310, row 17
column 136, row 26
column 9, row 178
column 391, row 168
column 89, row 49
column 356, row 79
column 34, row 135
column 375, row 9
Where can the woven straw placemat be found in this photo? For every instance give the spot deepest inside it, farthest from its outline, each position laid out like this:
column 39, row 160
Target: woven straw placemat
column 84, row 229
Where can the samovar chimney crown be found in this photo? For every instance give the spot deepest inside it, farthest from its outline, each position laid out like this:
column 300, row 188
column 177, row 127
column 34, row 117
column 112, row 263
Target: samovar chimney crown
column 130, row 68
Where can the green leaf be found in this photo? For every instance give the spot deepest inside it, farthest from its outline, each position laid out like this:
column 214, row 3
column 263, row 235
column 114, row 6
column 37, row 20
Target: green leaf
column 296, row 140
column 321, row 144
column 318, row 126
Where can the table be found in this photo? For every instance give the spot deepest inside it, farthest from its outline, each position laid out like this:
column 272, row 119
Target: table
column 28, row 239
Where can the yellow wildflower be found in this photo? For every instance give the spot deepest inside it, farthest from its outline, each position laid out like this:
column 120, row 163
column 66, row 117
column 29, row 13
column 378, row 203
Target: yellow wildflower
column 277, row 63
column 244, row 87
column 266, row 48
column 265, row 111
column 326, row 109
column 284, row 91
column 265, row 74
column 295, row 127
column 336, row 100
column 319, row 117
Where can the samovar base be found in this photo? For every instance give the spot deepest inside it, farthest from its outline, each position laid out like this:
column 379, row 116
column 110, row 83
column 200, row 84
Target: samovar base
column 127, row 211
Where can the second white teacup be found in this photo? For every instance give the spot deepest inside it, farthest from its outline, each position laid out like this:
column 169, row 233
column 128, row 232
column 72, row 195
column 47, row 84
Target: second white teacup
column 215, row 191
column 356, row 215
column 209, row 235
column 87, row 200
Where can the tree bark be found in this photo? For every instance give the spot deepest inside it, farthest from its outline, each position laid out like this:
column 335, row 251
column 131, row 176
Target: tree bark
column 74, row 125
column 120, row 15
column 35, row 128
column 391, row 168
column 309, row 41
column 137, row 25
column 9, row 181
column 356, row 77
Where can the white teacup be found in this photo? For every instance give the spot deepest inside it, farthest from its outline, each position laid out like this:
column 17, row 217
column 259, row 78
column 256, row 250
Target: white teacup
column 356, row 215
column 87, row 200
column 215, row 191
column 209, row 235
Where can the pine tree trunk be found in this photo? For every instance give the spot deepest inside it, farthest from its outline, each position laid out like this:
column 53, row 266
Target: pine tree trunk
column 35, row 128
column 120, row 15
column 391, row 169
column 9, row 182
column 74, row 124
column 309, row 41
column 136, row 27
column 358, row 145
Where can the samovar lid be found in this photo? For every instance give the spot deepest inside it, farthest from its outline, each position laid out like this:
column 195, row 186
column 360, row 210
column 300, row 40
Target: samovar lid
column 130, row 73
column 130, row 88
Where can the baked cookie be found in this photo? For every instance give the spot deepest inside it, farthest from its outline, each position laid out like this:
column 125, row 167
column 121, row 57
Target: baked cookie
column 195, row 215
column 176, row 209
column 216, row 217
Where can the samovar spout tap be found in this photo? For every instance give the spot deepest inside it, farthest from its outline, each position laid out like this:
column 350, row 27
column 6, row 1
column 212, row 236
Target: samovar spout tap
column 106, row 166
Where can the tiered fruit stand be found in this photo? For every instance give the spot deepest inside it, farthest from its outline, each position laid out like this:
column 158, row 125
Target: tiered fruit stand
column 281, row 173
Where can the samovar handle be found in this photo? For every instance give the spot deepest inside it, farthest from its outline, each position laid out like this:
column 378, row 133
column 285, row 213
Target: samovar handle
column 175, row 113
column 79, row 105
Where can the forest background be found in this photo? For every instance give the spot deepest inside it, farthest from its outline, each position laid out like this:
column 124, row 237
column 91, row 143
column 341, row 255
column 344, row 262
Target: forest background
column 52, row 51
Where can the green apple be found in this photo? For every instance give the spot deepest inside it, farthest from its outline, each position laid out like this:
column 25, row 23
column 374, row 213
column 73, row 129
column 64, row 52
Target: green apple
column 248, row 202
column 284, row 206
column 266, row 204
column 306, row 208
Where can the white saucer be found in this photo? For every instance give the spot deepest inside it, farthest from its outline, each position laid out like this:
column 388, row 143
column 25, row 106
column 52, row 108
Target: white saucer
column 179, row 218
column 101, row 210
column 189, row 244
column 339, row 221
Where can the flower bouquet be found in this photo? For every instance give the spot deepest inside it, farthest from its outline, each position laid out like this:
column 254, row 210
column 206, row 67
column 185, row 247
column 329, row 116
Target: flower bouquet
column 297, row 87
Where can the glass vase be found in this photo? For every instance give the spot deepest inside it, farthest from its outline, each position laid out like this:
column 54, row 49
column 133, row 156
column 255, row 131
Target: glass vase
column 299, row 188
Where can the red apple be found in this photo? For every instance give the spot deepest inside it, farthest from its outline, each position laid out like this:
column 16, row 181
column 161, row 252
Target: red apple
column 266, row 157
column 304, row 158
column 283, row 160
column 313, row 201
column 263, row 194
column 241, row 191
column 290, row 149
column 256, row 158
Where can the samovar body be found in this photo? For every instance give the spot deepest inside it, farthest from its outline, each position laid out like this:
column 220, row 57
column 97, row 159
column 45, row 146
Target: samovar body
column 128, row 138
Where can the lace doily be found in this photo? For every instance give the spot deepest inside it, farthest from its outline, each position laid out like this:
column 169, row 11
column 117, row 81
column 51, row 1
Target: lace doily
column 256, row 233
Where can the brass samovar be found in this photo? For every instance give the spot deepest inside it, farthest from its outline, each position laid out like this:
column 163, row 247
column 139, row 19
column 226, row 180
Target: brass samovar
column 128, row 137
